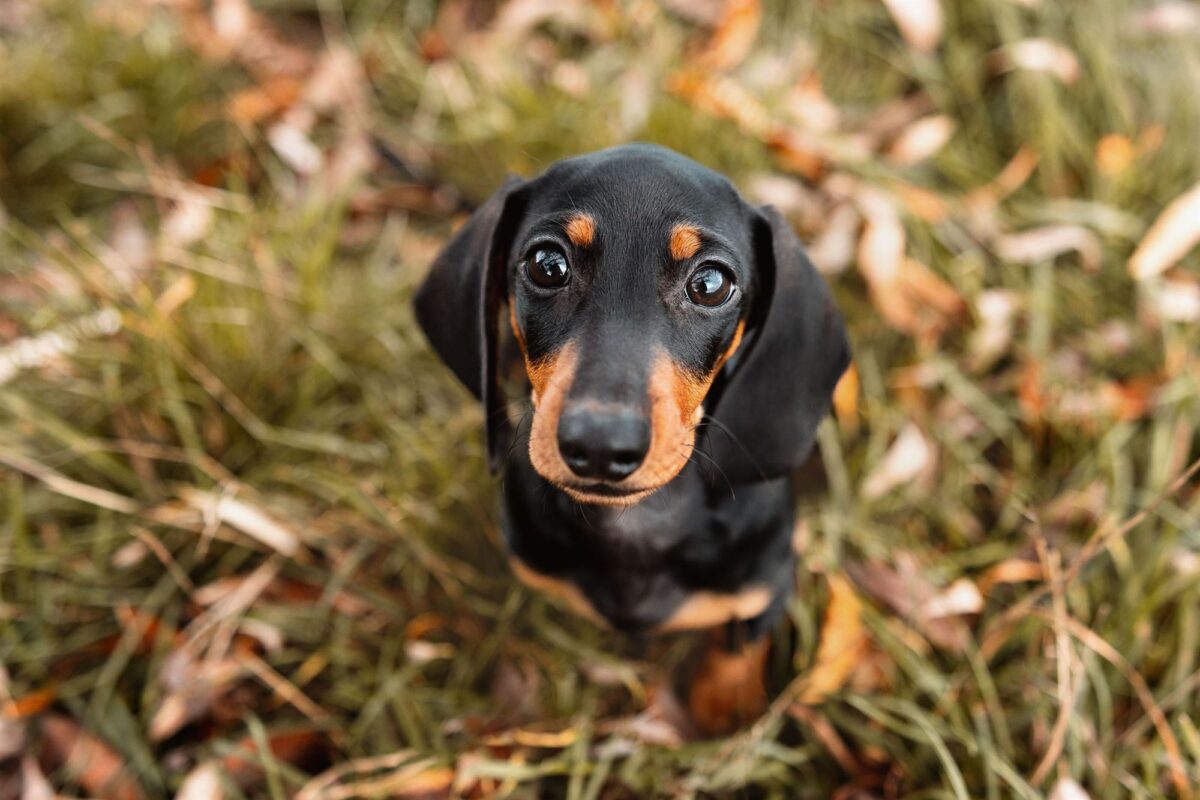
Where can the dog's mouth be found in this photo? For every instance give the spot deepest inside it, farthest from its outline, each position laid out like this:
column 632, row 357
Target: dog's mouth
column 606, row 494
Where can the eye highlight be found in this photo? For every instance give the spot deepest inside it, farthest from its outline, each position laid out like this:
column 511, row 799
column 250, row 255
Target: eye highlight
column 709, row 286
column 548, row 268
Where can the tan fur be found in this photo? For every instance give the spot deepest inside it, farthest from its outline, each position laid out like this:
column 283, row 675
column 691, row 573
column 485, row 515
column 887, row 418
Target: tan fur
column 581, row 230
column 685, row 241
column 551, row 378
column 563, row 590
column 730, row 688
column 708, row 609
column 516, row 329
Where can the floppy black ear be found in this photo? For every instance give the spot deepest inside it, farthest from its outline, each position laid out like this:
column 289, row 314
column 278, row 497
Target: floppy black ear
column 780, row 388
column 457, row 305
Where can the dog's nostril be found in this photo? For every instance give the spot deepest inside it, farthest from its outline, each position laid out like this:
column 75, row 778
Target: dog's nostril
column 610, row 446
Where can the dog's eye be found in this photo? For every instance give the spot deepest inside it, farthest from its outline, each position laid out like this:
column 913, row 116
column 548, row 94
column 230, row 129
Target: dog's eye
column 548, row 268
column 709, row 286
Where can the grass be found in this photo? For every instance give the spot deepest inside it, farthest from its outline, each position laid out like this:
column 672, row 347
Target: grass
column 266, row 354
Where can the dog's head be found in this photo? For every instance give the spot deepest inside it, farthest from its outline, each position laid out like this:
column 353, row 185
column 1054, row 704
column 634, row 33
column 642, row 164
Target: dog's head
column 658, row 315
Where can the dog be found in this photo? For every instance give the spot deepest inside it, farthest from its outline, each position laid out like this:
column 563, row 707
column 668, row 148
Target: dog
column 680, row 351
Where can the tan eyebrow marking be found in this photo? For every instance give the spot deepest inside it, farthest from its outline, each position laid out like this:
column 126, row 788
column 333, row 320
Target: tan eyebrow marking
column 581, row 230
column 685, row 241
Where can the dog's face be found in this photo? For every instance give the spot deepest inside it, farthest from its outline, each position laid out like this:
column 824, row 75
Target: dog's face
column 629, row 281
column 644, row 293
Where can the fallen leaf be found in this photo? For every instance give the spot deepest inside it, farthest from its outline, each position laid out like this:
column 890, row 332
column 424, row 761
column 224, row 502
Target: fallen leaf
column 919, row 21
column 996, row 310
column 295, row 148
column 1177, row 300
column 1114, row 154
column 1068, row 789
column 1172, row 17
column 34, row 785
column 908, row 295
column 959, row 598
column 908, row 457
column 202, row 783
column 1011, row 570
column 734, row 35
column 1043, row 244
column 1172, row 235
column 845, row 399
column 188, row 221
column 921, row 140
column 843, row 642
column 90, row 762
column 1039, row 55
column 257, row 103
column 833, row 249
column 904, row 588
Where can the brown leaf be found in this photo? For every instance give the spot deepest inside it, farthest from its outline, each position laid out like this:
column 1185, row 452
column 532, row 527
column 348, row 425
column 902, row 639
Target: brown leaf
column 1172, row 235
column 845, row 399
column 908, row 592
column 1011, row 570
column 1114, row 154
column 843, row 642
column 734, row 35
column 89, row 761
column 305, row 749
column 258, row 103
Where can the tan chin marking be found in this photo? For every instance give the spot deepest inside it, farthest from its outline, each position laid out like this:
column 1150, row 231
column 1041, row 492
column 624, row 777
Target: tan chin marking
column 685, row 241
column 551, row 378
column 581, row 230
column 709, row 609
column 567, row 592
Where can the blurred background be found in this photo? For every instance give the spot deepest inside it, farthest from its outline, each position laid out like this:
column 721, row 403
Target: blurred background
column 248, row 542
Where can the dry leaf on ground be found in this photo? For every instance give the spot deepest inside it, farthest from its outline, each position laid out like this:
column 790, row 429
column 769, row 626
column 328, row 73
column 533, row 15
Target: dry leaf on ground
column 919, row 21
column 1173, row 234
column 90, row 761
column 906, row 460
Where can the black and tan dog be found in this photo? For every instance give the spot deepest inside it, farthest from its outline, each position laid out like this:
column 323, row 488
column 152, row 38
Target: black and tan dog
column 680, row 350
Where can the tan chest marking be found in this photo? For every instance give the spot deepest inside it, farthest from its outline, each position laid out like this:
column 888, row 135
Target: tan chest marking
column 710, row 609
column 557, row 588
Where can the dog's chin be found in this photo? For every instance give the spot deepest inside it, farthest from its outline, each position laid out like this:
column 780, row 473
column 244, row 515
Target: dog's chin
column 604, row 494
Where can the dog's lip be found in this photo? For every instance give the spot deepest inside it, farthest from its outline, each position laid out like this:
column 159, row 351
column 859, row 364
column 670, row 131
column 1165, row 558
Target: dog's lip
column 604, row 489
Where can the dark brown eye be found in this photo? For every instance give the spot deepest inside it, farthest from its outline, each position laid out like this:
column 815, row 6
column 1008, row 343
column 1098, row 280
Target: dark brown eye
column 548, row 268
column 709, row 286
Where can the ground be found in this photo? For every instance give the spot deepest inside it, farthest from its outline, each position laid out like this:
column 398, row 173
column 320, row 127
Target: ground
column 248, row 540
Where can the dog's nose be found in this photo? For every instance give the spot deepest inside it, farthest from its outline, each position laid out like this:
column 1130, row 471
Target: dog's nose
column 603, row 444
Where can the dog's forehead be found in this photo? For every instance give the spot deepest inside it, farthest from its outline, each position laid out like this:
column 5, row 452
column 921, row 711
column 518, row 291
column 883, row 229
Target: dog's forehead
column 640, row 190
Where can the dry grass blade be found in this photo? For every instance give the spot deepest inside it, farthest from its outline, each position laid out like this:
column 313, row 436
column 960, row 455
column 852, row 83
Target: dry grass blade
column 60, row 484
column 245, row 517
column 1173, row 234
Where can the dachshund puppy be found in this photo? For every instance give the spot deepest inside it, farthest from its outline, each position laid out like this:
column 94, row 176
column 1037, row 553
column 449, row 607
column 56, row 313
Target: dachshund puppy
column 680, row 351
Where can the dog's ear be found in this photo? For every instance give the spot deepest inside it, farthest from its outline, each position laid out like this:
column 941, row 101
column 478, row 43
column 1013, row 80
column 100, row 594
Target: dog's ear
column 778, row 391
column 457, row 306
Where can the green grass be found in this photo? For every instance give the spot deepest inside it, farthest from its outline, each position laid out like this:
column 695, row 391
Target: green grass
column 273, row 358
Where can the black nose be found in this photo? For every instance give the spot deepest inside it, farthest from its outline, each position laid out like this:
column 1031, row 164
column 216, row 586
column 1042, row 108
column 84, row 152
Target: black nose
column 603, row 444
